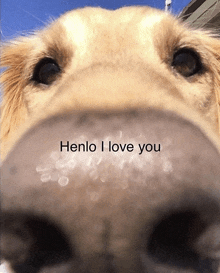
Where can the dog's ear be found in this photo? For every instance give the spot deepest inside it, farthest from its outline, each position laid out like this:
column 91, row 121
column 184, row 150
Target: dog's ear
column 13, row 60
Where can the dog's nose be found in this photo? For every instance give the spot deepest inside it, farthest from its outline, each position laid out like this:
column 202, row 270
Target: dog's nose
column 124, row 191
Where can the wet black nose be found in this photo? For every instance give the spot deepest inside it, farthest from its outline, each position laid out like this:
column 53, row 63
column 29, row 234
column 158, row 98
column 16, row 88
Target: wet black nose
column 126, row 191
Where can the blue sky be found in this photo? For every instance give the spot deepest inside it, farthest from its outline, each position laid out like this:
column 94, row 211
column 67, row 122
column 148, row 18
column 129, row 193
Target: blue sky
column 20, row 16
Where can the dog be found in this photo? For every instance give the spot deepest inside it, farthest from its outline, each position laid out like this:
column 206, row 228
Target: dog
column 110, row 145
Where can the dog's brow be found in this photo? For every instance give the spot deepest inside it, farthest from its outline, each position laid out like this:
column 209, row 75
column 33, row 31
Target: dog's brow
column 145, row 30
column 150, row 20
column 76, row 30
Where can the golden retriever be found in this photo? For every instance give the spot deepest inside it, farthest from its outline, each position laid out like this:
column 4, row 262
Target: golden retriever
column 120, row 171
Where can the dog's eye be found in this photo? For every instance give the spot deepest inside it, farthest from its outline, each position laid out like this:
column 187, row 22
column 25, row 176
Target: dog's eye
column 46, row 71
column 186, row 62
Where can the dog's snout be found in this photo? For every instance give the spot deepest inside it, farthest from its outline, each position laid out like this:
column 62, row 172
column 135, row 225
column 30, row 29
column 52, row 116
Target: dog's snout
column 122, row 191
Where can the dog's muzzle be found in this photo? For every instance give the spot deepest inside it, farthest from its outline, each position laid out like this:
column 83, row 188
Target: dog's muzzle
column 112, row 192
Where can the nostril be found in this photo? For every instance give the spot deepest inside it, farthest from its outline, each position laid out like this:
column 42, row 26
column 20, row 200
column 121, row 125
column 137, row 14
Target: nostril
column 172, row 237
column 31, row 242
column 181, row 239
column 16, row 239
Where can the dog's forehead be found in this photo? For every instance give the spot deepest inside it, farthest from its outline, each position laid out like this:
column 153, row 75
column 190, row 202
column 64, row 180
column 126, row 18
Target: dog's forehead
column 82, row 20
column 112, row 29
column 123, row 15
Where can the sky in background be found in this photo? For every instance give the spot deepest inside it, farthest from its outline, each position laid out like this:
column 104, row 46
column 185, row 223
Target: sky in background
column 20, row 16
